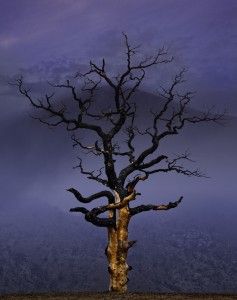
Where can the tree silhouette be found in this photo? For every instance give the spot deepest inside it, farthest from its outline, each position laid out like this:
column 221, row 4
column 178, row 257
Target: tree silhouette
column 105, row 124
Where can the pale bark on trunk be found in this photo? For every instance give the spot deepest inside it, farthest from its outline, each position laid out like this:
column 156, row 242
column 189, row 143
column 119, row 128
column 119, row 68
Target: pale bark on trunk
column 117, row 250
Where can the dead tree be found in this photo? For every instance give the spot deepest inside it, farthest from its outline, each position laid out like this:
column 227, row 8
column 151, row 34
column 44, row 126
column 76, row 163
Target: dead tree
column 106, row 125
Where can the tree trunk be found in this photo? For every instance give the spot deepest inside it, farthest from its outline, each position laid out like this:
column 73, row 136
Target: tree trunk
column 117, row 250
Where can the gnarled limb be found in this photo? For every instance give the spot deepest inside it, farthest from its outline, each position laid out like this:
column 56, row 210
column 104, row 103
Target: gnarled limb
column 131, row 185
column 141, row 208
column 123, row 202
column 90, row 198
column 92, row 216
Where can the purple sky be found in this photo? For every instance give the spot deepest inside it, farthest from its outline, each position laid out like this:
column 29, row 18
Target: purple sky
column 40, row 34
column 44, row 39
column 201, row 34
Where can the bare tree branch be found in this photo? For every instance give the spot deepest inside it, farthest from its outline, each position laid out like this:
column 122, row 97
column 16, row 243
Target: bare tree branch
column 93, row 197
column 171, row 165
column 91, row 174
column 92, row 215
column 142, row 208
column 118, row 118
column 72, row 124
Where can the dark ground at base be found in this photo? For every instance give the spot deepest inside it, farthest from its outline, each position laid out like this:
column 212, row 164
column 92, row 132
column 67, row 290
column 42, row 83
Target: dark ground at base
column 111, row 296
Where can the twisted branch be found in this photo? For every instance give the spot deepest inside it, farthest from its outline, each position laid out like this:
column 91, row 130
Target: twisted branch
column 142, row 208
column 90, row 198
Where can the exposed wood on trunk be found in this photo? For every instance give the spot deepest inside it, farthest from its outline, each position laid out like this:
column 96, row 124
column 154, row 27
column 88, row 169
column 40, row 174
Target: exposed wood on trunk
column 111, row 253
column 117, row 249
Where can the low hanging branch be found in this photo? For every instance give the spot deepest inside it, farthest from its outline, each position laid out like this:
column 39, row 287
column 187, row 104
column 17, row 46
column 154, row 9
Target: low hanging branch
column 92, row 215
column 142, row 208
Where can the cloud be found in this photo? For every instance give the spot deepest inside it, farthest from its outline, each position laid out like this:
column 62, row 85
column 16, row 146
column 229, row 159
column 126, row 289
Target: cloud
column 8, row 41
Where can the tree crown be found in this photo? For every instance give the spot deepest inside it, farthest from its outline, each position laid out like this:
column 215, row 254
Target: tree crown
column 118, row 117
